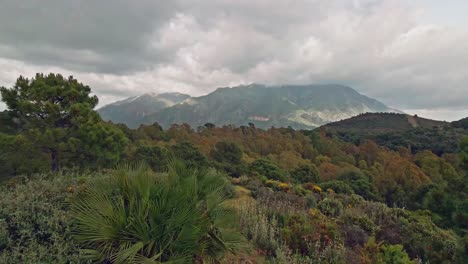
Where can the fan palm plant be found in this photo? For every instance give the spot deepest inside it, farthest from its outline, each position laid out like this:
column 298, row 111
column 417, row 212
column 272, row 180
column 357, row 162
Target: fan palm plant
column 137, row 216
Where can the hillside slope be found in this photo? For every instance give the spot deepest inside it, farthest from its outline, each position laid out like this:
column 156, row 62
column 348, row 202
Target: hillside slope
column 131, row 110
column 298, row 106
column 383, row 122
column 396, row 131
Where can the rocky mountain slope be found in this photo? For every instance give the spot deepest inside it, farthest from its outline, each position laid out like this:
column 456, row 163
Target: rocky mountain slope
column 298, row 106
column 131, row 110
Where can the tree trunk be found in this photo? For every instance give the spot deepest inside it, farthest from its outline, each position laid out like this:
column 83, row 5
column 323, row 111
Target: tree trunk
column 54, row 160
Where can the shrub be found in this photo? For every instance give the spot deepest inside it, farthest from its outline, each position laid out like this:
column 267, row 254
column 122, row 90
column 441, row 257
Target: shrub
column 187, row 152
column 305, row 173
column 394, row 254
column 137, row 216
column 277, row 185
column 259, row 228
column 265, row 167
column 337, row 186
column 155, row 156
column 330, row 207
column 35, row 226
column 228, row 157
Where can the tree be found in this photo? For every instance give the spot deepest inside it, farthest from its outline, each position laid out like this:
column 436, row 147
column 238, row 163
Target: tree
column 227, row 152
column 18, row 156
column 155, row 156
column 56, row 114
column 306, row 173
column 265, row 167
column 187, row 152
column 464, row 153
column 228, row 157
column 7, row 123
column 137, row 216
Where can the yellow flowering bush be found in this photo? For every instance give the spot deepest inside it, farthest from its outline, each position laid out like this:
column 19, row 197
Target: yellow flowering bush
column 281, row 186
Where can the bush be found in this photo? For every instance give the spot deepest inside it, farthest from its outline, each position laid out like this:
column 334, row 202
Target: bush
column 330, row 207
column 192, row 157
column 337, row 186
column 265, row 167
column 227, row 156
column 306, row 173
column 394, row 254
column 137, row 216
column 35, row 226
column 155, row 156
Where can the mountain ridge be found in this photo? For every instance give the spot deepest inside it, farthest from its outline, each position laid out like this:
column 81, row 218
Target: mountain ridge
column 298, row 106
column 130, row 110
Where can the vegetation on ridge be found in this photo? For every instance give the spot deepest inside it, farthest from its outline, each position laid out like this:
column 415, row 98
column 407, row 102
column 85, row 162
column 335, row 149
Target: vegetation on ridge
column 298, row 196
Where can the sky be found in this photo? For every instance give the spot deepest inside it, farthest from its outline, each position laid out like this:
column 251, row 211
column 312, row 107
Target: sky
column 411, row 55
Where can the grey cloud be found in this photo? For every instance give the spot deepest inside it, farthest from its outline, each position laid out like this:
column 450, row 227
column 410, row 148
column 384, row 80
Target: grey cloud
column 124, row 48
column 58, row 32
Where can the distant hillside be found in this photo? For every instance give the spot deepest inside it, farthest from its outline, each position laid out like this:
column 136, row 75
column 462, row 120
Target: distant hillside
column 131, row 110
column 462, row 123
column 383, row 122
column 399, row 130
column 298, row 106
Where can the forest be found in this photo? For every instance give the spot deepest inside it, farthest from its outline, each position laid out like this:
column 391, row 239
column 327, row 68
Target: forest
column 76, row 189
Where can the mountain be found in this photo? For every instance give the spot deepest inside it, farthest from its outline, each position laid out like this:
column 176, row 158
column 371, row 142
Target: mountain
column 298, row 106
column 131, row 110
column 383, row 122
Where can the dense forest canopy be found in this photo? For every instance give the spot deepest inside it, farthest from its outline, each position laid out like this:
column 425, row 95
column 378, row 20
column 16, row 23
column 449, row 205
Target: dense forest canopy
column 298, row 196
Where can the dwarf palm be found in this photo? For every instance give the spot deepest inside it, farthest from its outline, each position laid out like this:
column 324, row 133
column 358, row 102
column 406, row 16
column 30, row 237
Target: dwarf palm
column 137, row 216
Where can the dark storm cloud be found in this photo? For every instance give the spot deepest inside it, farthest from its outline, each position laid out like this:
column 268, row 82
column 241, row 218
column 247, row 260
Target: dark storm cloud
column 102, row 36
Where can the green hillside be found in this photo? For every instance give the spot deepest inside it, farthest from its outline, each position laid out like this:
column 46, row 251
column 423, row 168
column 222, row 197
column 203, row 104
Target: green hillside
column 399, row 131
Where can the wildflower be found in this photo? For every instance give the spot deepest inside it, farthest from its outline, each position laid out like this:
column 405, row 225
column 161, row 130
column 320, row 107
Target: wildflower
column 316, row 189
column 283, row 186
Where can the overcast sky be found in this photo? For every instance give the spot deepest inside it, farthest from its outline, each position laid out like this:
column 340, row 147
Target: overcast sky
column 411, row 55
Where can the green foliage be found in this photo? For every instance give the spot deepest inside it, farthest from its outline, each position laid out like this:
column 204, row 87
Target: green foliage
column 358, row 182
column 337, row 186
column 267, row 168
column 137, row 216
column 228, row 157
column 187, row 152
column 56, row 115
column 155, row 156
column 227, row 152
column 462, row 123
column 94, row 144
column 181, row 215
column 19, row 157
column 330, row 207
column 35, row 225
column 7, row 123
column 394, row 254
column 306, row 173
column 395, row 131
column 464, row 153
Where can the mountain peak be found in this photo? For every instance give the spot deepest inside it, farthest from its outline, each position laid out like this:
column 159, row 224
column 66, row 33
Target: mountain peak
column 298, row 106
column 129, row 111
